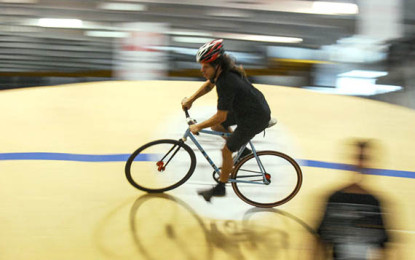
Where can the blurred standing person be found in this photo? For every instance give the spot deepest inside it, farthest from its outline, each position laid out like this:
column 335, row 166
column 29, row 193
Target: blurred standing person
column 239, row 103
column 352, row 226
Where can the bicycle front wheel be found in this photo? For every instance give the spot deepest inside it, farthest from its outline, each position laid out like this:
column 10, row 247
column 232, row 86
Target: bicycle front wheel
column 160, row 166
column 280, row 183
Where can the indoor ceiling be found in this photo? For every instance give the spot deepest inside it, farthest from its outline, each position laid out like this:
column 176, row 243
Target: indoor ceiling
column 27, row 45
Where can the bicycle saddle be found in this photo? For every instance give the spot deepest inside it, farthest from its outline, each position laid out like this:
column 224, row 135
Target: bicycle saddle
column 272, row 122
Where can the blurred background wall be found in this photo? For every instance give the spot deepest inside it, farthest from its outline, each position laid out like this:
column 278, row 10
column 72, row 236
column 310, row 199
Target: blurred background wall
column 350, row 47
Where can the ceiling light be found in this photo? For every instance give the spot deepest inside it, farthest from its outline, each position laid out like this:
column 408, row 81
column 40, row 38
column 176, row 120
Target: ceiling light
column 60, row 23
column 123, row 6
column 334, row 8
column 106, row 34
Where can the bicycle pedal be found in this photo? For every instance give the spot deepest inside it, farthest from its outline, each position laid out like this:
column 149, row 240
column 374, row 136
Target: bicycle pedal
column 207, row 195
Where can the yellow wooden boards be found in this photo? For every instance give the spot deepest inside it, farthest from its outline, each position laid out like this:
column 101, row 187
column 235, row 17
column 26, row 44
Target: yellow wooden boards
column 60, row 209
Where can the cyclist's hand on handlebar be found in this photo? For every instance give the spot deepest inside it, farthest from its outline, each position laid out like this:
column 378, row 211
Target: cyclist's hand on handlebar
column 186, row 103
column 194, row 129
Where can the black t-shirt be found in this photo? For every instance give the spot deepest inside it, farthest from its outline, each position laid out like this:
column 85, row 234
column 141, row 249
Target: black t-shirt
column 237, row 95
column 352, row 224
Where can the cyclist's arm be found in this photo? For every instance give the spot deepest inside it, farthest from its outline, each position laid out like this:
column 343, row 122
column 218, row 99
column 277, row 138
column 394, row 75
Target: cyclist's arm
column 216, row 119
column 203, row 90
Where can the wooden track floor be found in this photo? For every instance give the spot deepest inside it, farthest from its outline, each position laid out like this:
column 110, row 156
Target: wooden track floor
column 55, row 204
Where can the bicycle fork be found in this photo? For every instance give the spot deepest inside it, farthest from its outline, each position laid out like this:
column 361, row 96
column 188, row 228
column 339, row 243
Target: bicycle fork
column 160, row 164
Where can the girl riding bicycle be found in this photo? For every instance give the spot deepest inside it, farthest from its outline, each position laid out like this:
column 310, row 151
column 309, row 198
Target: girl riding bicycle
column 239, row 103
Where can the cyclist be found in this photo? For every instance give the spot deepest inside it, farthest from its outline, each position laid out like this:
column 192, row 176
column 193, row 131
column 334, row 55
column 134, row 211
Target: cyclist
column 239, row 103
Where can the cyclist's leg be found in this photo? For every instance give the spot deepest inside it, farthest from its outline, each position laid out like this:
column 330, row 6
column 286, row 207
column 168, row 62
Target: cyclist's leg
column 233, row 143
column 220, row 128
column 225, row 126
column 227, row 164
column 219, row 189
column 239, row 137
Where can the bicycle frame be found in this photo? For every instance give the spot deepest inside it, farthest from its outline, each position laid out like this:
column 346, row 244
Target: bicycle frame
column 188, row 134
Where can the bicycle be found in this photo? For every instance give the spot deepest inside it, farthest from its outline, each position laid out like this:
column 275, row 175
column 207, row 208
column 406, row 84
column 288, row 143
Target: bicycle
column 166, row 164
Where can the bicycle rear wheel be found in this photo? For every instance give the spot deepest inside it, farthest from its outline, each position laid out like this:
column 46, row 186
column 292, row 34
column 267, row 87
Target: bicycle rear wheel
column 160, row 166
column 282, row 171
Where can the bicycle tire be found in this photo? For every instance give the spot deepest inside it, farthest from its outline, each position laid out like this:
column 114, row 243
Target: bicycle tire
column 170, row 143
column 291, row 164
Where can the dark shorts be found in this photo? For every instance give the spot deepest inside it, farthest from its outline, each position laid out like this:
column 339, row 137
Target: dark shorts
column 243, row 133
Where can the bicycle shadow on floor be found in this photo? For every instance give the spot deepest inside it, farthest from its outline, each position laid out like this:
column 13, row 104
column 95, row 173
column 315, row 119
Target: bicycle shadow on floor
column 164, row 226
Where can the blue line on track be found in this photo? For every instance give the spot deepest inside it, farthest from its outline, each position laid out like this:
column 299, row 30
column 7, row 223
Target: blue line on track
column 148, row 157
column 348, row 167
column 67, row 157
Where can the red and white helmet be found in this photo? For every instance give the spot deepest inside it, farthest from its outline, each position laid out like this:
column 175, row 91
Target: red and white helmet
column 210, row 51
